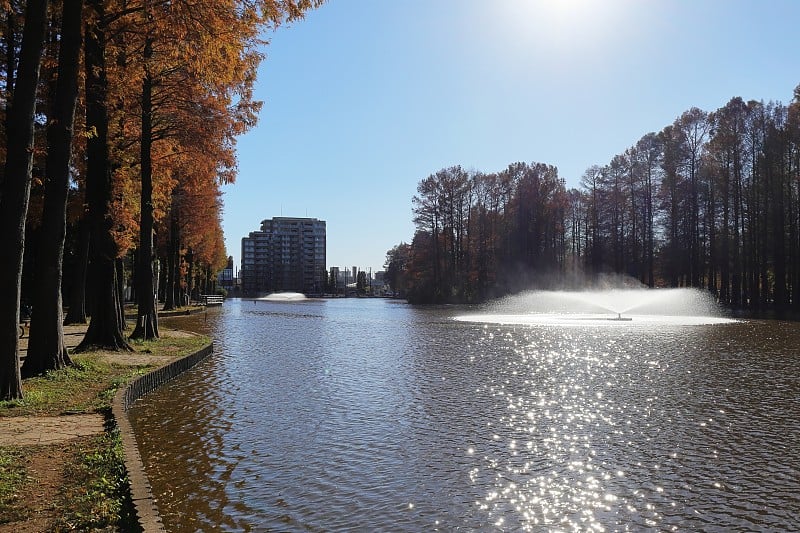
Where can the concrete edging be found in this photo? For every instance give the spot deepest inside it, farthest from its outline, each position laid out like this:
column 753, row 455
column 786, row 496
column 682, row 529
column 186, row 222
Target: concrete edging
column 143, row 502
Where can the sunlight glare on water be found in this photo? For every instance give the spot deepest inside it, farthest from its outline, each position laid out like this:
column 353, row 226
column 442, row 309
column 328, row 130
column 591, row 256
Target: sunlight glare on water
column 584, row 320
column 303, row 421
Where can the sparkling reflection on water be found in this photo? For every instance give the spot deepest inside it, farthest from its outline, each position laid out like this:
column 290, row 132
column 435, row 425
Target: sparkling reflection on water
column 375, row 415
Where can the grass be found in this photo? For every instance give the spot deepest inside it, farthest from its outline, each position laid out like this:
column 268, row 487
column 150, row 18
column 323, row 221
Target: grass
column 171, row 346
column 94, row 494
column 12, row 479
column 97, row 496
column 90, row 384
column 84, row 387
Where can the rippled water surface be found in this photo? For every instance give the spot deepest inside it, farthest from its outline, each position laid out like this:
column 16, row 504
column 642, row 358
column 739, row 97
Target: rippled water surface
column 375, row 415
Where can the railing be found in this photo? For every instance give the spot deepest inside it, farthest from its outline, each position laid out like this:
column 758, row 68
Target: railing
column 211, row 299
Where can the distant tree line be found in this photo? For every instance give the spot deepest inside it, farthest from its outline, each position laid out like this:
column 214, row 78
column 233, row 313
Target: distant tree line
column 711, row 201
column 118, row 124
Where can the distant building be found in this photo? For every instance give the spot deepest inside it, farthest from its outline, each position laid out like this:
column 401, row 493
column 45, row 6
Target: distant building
column 344, row 281
column 287, row 254
column 226, row 277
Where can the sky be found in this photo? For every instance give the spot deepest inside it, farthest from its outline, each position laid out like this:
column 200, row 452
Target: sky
column 363, row 99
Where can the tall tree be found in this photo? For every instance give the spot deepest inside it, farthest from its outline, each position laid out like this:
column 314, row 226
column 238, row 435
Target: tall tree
column 594, row 248
column 648, row 150
column 13, row 13
column 146, row 314
column 46, row 348
column 692, row 128
column 396, row 265
column 16, row 189
column 726, row 147
column 105, row 328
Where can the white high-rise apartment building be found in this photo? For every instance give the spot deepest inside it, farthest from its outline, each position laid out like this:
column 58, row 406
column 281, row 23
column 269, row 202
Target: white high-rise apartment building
column 287, row 254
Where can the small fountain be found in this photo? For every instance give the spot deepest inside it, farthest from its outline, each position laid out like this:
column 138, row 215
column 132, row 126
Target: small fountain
column 283, row 297
column 639, row 306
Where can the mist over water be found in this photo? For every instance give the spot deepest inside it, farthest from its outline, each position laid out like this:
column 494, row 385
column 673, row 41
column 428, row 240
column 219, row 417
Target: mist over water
column 641, row 301
column 640, row 305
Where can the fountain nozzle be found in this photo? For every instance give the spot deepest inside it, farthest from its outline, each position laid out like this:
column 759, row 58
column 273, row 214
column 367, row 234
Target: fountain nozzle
column 620, row 318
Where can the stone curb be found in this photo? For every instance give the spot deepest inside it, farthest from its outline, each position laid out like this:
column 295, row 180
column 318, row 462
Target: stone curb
column 143, row 501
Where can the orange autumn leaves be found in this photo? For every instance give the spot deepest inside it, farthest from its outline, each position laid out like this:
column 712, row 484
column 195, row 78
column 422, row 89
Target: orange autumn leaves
column 203, row 66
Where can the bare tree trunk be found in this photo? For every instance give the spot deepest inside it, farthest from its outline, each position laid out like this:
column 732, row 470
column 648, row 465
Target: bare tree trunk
column 189, row 276
column 146, row 315
column 16, row 192
column 10, row 38
column 119, row 278
column 46, row 348
column 105, row 328
column 76, row 311
column 171, row 288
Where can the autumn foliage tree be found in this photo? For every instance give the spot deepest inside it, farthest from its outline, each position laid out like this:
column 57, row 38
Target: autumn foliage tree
column 196, row 65
column 167, row 87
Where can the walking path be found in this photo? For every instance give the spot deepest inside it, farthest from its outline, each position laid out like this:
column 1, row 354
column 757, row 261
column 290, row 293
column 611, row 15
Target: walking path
column 33, row 430
column 30, row 430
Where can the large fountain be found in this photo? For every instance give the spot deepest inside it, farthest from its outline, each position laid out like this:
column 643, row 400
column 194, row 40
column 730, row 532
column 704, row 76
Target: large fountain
column 638, row 306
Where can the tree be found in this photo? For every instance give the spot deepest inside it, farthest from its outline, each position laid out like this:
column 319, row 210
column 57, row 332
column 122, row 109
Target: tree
column 537, row 215
column 15, row 192
column 361, row 282
column 105, row 327
column 726, row 150
column 591, row 182
column 146, row 314
column 483, row 233
column 693, row 128
column 672, row 203
column 648, row 151
column 332, row 281
column 396, row 266
column 46, row 348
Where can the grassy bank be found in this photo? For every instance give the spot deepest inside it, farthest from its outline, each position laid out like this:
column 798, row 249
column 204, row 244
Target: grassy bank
column 80, row 484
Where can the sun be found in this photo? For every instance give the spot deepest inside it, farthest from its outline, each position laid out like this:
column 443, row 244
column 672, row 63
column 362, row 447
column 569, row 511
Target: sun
column 563, row 6
column 563, row 24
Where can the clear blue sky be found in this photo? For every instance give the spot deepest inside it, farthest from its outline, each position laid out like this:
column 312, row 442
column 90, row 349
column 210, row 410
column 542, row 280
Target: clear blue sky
column 364, row 98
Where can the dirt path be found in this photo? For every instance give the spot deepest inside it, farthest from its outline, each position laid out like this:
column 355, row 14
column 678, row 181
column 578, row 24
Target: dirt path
column 45, row 468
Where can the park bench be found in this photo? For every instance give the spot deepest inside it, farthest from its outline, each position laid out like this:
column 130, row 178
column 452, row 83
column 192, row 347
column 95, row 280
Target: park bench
column 211, row 299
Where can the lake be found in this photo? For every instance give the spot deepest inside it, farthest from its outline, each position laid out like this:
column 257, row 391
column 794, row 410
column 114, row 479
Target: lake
column 371, row 414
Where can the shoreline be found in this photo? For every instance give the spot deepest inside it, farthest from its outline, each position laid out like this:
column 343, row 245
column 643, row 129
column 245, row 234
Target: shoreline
column 144, row 502
column 75, row 415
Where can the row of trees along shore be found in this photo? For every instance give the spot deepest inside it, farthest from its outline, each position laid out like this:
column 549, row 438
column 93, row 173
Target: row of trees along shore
column 118, row 121
column 711, row 201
